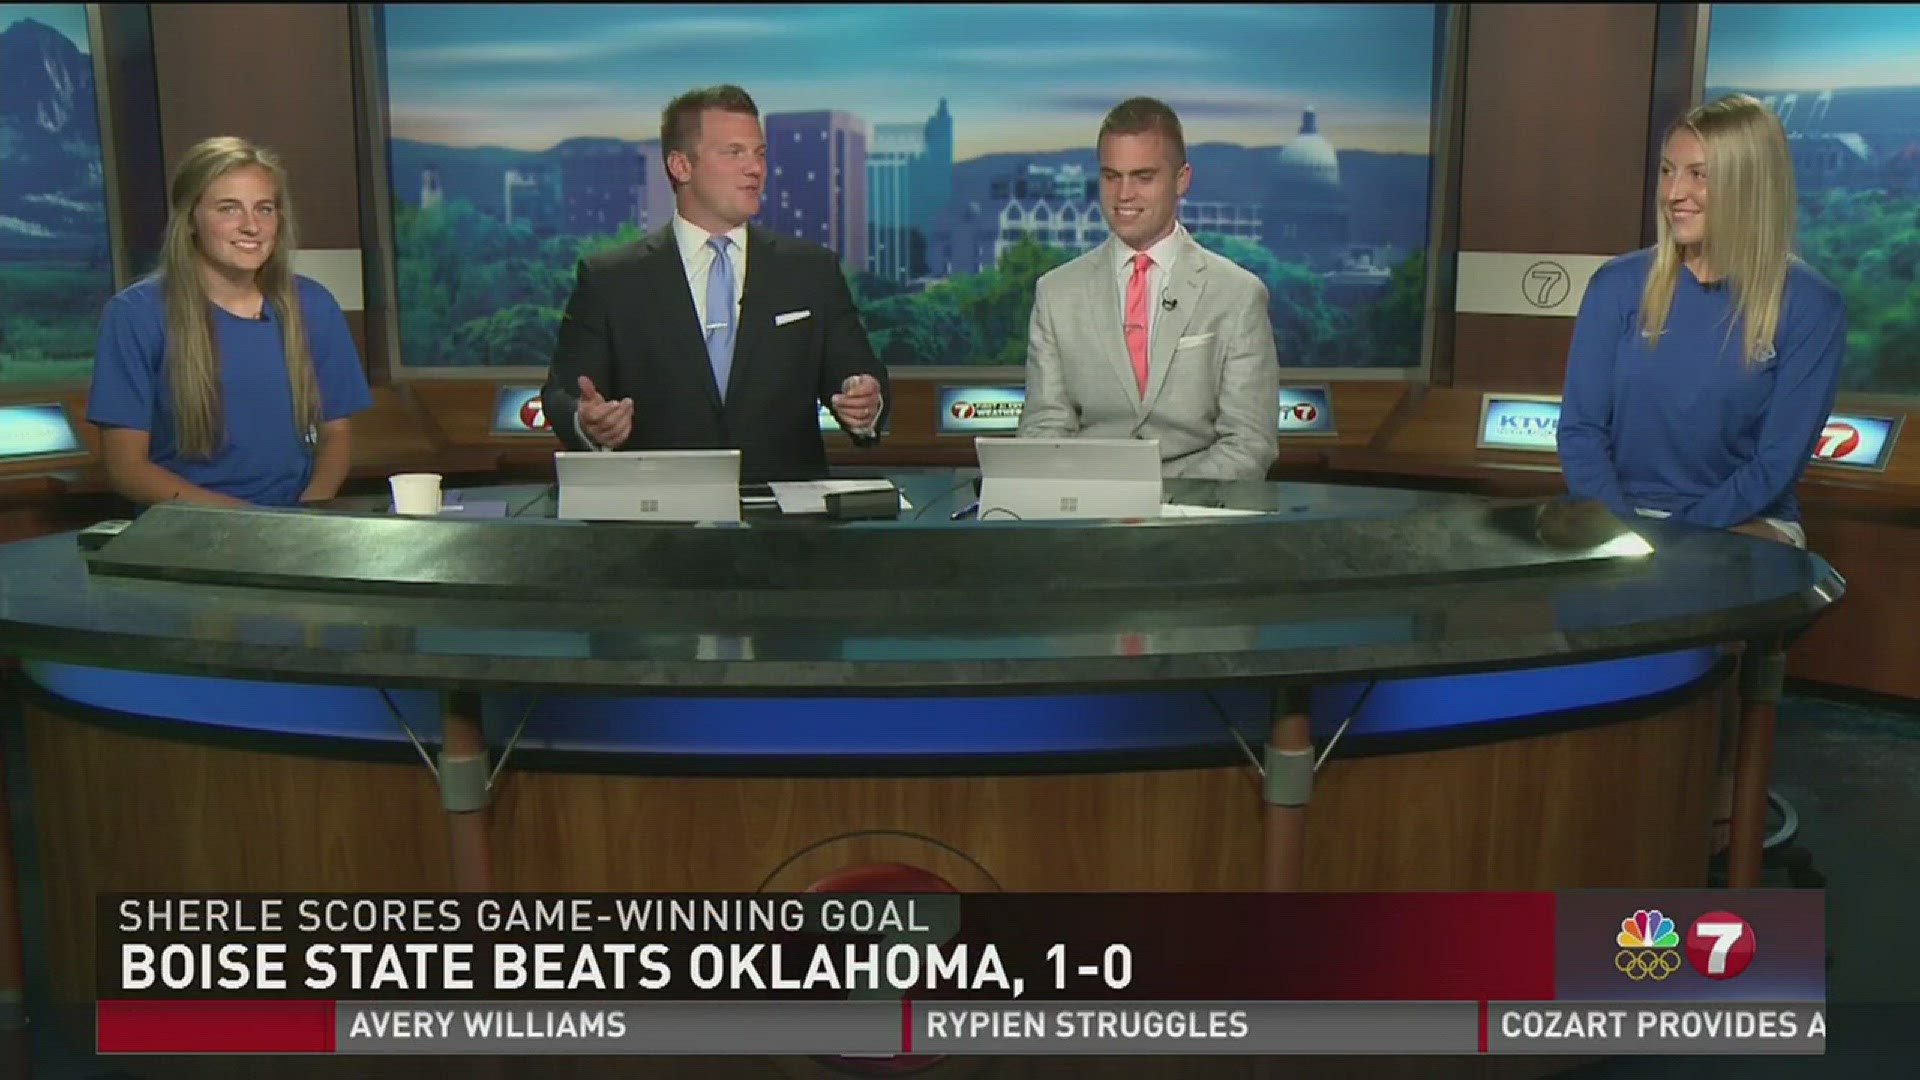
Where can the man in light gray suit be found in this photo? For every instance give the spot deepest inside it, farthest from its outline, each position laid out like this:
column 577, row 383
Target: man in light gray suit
column 1150, row 335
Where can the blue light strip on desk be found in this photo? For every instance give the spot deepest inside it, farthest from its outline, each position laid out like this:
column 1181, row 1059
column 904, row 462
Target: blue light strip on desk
column 843, row 726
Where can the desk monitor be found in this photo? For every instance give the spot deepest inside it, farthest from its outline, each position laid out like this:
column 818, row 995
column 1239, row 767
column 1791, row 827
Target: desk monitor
column 517, row 412
column 979, row 410
column 1039, row 479
column 39, row 430
column 1306, row 410
column 649, row 485
column 1856, row 441
column 1528, row 422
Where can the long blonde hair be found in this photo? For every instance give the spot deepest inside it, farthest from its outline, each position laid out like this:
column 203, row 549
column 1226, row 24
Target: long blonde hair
column 1750, row 221
column 193, row 355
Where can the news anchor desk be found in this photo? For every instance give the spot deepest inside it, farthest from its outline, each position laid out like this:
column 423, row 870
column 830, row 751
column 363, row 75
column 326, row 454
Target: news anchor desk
column 1496, row 695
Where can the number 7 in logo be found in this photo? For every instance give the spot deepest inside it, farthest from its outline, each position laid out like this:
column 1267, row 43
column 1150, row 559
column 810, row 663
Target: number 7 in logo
column 1720, row 945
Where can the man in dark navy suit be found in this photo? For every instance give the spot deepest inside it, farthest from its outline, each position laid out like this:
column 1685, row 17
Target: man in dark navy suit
column 711, row 333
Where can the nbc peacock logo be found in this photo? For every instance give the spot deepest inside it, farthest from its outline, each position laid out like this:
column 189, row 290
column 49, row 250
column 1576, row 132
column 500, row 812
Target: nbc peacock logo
column 1649, row 947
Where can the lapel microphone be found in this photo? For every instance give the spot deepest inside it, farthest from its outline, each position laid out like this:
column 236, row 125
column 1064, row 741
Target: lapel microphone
column 1168, row 303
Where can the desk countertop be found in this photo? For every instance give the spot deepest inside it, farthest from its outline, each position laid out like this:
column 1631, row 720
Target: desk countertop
column 1324, row 582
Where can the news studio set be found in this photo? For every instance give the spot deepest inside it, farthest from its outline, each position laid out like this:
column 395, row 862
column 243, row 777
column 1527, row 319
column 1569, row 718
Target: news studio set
column 988, row 741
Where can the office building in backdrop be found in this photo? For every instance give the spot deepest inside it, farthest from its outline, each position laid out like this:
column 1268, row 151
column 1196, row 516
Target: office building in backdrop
column 816, row 185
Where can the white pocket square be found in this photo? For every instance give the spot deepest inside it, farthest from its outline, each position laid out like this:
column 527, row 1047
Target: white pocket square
column 791, row 316
column 1196, row 339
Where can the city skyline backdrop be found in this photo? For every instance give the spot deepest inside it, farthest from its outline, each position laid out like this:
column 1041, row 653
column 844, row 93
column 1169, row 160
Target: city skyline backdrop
column 1028, row 78
column 945, row 153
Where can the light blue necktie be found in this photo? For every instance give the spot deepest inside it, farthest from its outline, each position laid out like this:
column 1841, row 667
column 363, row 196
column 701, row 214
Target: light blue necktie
column 719, row 326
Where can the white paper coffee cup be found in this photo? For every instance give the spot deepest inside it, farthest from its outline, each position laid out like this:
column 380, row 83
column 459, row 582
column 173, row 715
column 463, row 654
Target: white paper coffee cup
column 416, row 493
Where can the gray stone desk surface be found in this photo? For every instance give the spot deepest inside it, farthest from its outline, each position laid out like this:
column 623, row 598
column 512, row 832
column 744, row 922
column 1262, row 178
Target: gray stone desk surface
column 1325, row 582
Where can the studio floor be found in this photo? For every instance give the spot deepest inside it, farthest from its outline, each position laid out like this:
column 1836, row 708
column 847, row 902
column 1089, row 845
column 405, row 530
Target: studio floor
column 1850, row 768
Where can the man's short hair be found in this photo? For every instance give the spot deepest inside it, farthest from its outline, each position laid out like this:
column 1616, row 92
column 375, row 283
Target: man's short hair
column 680, row 120
column 1137, row 116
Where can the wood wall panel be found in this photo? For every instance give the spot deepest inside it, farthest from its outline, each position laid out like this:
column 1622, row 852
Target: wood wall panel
column 1870, row 640
column 1514, row 353
column 279, row 74
column 1553, row 154
column 1553, row 159
column 1360, row 411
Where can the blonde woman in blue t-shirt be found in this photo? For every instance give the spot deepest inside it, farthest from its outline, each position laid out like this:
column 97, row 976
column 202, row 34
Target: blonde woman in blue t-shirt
column 225, row 379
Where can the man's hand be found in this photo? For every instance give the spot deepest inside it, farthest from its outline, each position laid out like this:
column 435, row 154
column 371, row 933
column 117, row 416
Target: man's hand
column 605, row 422
column 857, row 405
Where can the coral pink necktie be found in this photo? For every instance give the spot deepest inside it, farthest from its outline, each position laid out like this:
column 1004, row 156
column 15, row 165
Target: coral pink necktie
column 1136, row 323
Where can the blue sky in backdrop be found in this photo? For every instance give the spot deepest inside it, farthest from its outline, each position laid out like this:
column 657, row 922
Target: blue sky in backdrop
column 1017, row 77
column 1834, row 46
column 69, row 19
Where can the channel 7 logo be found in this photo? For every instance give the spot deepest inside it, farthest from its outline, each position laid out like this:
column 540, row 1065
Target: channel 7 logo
column 1719, row 945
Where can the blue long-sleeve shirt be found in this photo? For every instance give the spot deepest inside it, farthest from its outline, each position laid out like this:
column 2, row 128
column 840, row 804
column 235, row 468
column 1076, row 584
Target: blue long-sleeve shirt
column 1688, row 427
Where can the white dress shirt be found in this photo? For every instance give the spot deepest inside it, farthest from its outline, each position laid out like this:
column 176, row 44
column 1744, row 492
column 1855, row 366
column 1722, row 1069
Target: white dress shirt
column 696, row 256
column 1164, row 252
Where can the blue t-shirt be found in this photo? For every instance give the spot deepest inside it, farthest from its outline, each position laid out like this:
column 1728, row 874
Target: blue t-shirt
column 265, row 459
column 1688, row 427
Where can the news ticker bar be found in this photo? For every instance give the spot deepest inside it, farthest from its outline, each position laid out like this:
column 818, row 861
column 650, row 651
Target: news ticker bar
column 958, row 1028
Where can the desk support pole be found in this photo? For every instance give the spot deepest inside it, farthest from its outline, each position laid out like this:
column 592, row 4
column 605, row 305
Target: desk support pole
column 1288, row 787
column 13, row 968
column 464, row 792
column 1763, row 671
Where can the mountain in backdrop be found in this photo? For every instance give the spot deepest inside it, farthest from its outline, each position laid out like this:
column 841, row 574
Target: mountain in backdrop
column 52, row 196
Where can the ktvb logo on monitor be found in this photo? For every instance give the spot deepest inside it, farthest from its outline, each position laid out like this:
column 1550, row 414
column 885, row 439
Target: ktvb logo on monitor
column 517, row 411
column 1306, row 410
column 1519, row 422
column 1719, row 945
column 1856, row 441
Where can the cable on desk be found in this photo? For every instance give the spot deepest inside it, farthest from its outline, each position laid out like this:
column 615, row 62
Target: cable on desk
column 528, row 505
column 940, row 498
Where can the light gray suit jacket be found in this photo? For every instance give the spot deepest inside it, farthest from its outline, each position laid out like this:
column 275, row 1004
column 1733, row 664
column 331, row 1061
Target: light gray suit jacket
column 1213, row 377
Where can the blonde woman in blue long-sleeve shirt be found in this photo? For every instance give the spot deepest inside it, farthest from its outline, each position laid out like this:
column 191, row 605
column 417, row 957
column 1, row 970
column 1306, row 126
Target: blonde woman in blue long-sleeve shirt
column 1703, row 368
